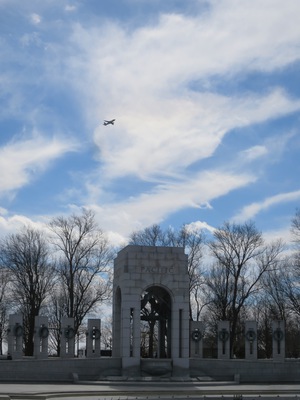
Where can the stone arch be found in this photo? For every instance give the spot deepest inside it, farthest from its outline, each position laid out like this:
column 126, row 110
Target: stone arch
column 138, row 269
column 156, row 317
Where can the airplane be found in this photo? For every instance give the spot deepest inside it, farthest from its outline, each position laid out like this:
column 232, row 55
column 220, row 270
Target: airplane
column 109, row 122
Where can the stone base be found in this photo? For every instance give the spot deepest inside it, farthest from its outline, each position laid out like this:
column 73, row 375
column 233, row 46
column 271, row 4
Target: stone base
column 156, row 367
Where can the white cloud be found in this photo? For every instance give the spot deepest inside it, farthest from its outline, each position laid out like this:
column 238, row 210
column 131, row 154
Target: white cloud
column 24, row 159
column 200, row 225
column 3, row 211
column 284, row 234
column 147, row 77
column 270, row 151
column 165, row 199
column 12, row 224
column 254, row 152
column 253, row 209
column 70, row 8
column 157, row 81
column 151, row 80
column 32, row 38
column 36, row 19
column 147, row 80
column 166, row 135
column 233, row 37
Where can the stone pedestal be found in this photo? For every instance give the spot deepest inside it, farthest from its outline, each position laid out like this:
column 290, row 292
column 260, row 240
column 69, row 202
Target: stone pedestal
column 223, row 340
column 251, row 340
column 196, row 339
column 278, row 335
column 15, row 336
column 93, row 338
column 41, row 333
column 67, row 338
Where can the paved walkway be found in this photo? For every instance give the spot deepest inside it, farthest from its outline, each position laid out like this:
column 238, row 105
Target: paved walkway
column 130, row 390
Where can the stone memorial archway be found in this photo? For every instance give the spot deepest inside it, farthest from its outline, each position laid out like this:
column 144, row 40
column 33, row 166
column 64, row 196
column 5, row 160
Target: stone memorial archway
column 151, row 310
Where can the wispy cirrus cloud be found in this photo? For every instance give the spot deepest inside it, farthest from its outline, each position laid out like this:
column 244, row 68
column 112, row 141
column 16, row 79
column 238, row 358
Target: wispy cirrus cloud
column 155, row 80
column 181, row 127
column 153, row 206
column 160, row 86
column 254, row 152
column 23, row 160
column 251, row 210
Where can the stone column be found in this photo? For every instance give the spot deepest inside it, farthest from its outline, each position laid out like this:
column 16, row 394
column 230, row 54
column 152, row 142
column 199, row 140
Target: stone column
column 136, row 333
column 175, row 332
column 93, row 338
column 278, row 335
column 180, row 338
column 15, row 336
column 185, row 322
column 196, row 339
column 116, row 339
column 130, row 328
column 67, row 338
column 41, row 334
column 251, row 340
column 223, row 340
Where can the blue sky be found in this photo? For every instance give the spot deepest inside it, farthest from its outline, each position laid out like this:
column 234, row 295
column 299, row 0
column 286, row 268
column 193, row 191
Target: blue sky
column 206, row 97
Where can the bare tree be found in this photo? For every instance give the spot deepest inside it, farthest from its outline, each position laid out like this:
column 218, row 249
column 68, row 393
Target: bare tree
column 84, row 261
column 291, row 278
column 295, row 227
column 242, row 259
column 106, row 335
column 277, row 289
column 26, row 256
column 262, row 312
column 150, row 236
column 193, row 243
column 281, row 300
column 57, row 308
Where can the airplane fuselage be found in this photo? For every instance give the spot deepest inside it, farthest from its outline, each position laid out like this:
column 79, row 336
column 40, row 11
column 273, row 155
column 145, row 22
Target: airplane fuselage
column 111, row 122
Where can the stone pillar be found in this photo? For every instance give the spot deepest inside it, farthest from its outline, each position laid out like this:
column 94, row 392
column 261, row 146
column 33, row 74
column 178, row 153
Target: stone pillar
column 180, row 337
column 251, row 340
column 41, row 334
column 278, row 335
column 223, row 340
column 196, row 339
column 116, row 339
column 67, row 338
column 136, row 335
column 15, row 336
column 130, row 333
column 93, row 338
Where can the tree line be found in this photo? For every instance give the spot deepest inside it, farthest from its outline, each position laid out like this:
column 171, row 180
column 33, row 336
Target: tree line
column 235, row 275
column 65, row 272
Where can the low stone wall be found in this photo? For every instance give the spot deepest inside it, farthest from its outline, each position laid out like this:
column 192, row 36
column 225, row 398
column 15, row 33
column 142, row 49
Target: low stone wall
column 259, row 371
column 68, row 370
column 58, row 370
